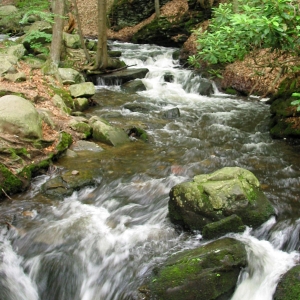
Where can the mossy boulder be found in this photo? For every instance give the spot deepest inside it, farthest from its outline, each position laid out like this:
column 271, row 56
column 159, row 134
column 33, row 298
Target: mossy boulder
column 213, row 197
column 208, row 272
column 288, row 287
column 9, row 183
column 10, row 18
column 283, row 113
column 81, row 126
column 133, row 86
column 64, row 185
column 19, row 117
column 106, row 133
column 85, row 89
column 232, row 223
column 70, row 76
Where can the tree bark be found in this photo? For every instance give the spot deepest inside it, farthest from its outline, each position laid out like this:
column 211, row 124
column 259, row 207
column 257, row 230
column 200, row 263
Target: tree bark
column 87, row 55
column 235, row 6
column 58, row 26
column 101, row 56
column 157, row 10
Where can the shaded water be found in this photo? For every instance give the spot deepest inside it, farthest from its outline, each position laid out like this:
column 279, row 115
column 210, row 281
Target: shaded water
column 102, row 242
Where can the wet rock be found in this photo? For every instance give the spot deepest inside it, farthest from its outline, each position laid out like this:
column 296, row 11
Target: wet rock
column 172, row 113
column 9, row 183
column 217, row 229
column 168, row 77
column 138, row 107
column 133, row 86
column 19, row 117
column 119, row 77
column 64, row 185
column 208, row 272
column 106, row 133
column 86, row 146
column 213, row 197
column 138, row 133
column 288, row 287
column 281, row 125
column 205, row 87
column 81, row 127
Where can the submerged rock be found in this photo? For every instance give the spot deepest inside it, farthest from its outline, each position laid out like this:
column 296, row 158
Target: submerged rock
column 213, row 197
column 208, row 272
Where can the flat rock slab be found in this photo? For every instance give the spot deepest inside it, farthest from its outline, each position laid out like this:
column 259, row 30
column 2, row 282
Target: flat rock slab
column 119, row 77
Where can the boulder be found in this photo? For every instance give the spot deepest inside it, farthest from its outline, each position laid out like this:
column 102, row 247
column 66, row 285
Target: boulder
column 81, row 104
column 17, row 50
column 208, row 272
column 59, row 102
column 106, row 133
column 17, row 77
column 217, row 229
column 42, row 26
column 72, row 180
column 86, row 146
column 8, row 10
column 84, row 129
column 19, row 117
column 86, row 89
column 119, row 77
column 288, row 287
column 8, row 23
column 213, row 197
column 205, row 87
column 70, row 76
column 9, row 183
column 172, row 113
column 133, row 86
column 71, row 40
column 5, row 65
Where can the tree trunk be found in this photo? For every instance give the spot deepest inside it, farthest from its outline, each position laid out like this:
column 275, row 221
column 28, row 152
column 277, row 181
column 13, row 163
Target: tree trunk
column 235, row 6
column 101, row 56
column 58, row 26
column 157, row 10
column 87, row 55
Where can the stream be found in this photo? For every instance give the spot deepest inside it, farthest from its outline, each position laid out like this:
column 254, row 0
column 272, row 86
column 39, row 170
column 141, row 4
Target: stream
column 102, row 242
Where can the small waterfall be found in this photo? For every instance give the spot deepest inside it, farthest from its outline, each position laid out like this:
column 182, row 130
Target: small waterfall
column 15, row 284
column 265, row 267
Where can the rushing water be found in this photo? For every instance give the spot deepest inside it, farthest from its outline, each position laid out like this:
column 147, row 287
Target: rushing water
column 102, row 242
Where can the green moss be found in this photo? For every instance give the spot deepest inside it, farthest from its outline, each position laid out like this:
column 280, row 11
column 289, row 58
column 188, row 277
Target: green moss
column 65, row 95
column 232, row 223
column 9, row 183
column 34, row 169
column 65, row 142
column 210, row 271
column 289, row 286
column 231, row 91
